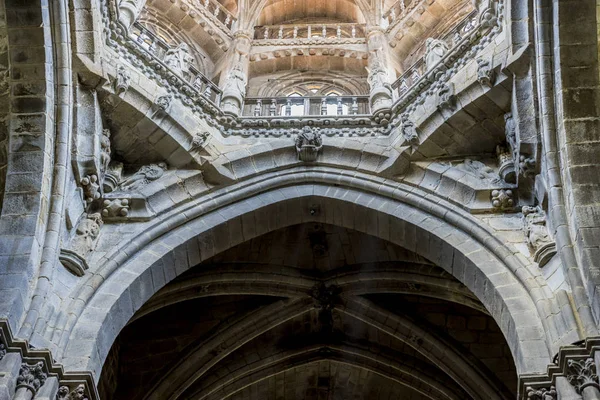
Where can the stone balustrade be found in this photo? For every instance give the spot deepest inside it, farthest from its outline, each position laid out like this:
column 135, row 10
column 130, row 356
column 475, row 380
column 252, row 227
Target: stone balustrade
column 216, row 10
column 158, row 48
column 398, row 10
column 309, row 31
column 414, row 73
column 295, row 106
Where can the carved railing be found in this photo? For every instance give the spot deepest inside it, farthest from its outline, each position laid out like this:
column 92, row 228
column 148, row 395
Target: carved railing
column 309, row 31
column 332, row 106
column 398, row 10
column 216, row 12
column 158, row 48
column 413, row 74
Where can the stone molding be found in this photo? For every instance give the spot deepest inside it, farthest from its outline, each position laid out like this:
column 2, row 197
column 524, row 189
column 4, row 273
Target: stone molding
column 39, row 364
column 574, row 362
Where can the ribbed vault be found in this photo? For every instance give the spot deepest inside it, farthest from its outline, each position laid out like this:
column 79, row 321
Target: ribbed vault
column 311, row 311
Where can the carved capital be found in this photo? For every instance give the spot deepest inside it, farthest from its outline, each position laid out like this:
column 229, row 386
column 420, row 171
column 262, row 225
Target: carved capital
column 582, row 373
column 32, row 377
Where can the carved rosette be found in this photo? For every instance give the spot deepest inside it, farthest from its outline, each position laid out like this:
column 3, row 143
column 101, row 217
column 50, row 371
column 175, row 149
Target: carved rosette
column 502, row 199
column 114, row 208
column 582, row 373
column 31, row 377
column 541, row 394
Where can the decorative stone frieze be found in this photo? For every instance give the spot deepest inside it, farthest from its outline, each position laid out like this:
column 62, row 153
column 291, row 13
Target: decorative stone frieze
column 308, row 144
column 538, row 237
column 65, row 393
column 506, row 164
column 113, row 208
column 485, row 73
column 122, row 80
column 31, row 377
column 502, row 199
column 582, row 373
column 143, row 176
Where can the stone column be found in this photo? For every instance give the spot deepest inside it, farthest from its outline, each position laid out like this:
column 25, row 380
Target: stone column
column 129, row 11
column 9, row 371
column 582, row 375
column 31, row 378
column 236, row 74
column 379, row 78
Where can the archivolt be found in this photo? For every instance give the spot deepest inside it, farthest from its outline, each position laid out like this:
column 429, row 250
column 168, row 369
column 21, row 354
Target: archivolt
column 391, row 211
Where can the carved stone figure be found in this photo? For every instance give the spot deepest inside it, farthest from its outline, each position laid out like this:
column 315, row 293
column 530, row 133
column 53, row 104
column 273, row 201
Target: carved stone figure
column 435, row 50
column 143, row 176
column 86, row 234
column 378, row 78
column 582, row 373
column 164, row 102
column 409, row 130
column 64, row 393
column 91, row 188
column 308, row 143
column 122, row 80
column 179, row 58
column 526, row 166
column 199, row 140
column 485, row 73
column 479, row 169
column 113, row 208
column 31, row 377
column 541, row 394
column 105, row 150
column 446, row 97
column 236, row 81
column 502, row 199
column 536, row 232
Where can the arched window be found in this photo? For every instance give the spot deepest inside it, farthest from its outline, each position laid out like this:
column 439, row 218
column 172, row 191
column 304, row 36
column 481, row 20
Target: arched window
column 294, row 105
column 333, row 104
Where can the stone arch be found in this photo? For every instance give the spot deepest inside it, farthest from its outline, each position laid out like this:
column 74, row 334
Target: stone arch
column 496, row 276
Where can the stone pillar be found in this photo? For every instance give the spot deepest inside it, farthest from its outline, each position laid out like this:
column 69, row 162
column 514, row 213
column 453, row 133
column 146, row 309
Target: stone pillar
column 236, row 75
column 129, row 11
column 379, row 78
column 9, row 371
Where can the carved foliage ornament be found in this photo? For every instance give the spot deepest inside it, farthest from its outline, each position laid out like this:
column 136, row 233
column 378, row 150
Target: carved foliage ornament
column 541, row 394
column 32, row 377
column 582, row 373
